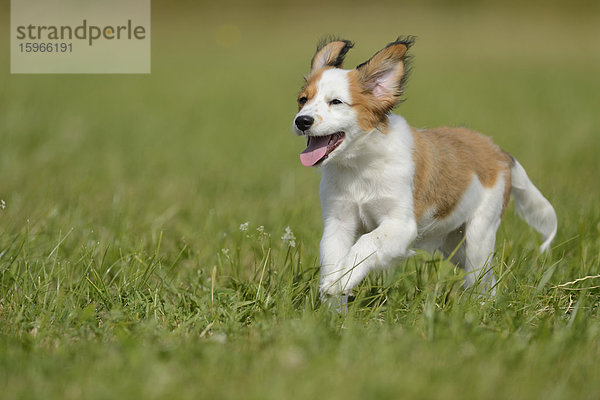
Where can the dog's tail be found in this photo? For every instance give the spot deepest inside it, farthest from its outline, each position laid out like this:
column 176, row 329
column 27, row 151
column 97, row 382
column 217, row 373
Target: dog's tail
column 532, row 206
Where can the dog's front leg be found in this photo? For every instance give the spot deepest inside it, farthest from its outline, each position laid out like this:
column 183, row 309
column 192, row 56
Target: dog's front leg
column 376, row 249
column 339, row 235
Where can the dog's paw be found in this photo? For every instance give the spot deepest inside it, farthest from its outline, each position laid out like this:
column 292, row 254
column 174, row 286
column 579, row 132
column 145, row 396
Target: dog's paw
column 333, row 294
column 332, row 283
column 337, row 303
column 330, row 286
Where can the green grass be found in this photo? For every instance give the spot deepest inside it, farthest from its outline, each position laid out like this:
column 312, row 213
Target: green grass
column 124, row 272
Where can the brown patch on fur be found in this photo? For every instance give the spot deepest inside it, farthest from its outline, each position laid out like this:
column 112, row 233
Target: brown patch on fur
column 330, row 54
column 446, row 160
column 371, row 100
column 309, row 90
column 388, row 63
column 369, row 110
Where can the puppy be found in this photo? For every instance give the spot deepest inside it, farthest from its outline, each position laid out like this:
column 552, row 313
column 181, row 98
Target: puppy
column 387, row 187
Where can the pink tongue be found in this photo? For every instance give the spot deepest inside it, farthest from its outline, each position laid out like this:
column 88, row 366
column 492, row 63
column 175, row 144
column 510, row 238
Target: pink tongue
column 315, row 150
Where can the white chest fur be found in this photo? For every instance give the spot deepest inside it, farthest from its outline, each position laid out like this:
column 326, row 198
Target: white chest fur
column 369, row 189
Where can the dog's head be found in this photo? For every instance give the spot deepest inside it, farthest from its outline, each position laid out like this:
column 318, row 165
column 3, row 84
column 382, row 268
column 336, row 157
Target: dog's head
column 336, row 107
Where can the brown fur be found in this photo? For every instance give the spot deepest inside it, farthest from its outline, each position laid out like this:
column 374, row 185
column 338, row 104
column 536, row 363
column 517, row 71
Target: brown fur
column 369, row 110
column 372, row 110
column 309, row 90
column 329, row 55
column 446, row 160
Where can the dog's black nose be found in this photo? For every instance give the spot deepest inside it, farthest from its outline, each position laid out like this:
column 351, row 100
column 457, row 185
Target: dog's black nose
column 304, row 122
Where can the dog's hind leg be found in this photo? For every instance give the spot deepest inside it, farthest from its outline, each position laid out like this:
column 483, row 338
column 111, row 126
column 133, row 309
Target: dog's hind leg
column 479, row 251
column 480, row 238
column 474, row 255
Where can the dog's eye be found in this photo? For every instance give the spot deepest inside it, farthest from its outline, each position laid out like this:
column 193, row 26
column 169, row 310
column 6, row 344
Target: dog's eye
column 335, row 101
column 302, row 100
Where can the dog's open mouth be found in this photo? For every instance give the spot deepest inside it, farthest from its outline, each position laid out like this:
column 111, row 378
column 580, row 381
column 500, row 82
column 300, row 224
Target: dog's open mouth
column 318, row 148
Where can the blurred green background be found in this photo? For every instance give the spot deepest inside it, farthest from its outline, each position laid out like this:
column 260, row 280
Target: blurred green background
column 212, row 121
column 96, row 170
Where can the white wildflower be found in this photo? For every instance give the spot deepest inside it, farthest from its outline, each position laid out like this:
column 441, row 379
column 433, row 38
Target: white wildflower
column 261, row 234
column 289, row 238
column 225, row 252
column 2, row 204
column 244, row 226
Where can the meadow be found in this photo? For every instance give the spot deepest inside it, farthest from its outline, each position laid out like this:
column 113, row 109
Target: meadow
column 159, row 237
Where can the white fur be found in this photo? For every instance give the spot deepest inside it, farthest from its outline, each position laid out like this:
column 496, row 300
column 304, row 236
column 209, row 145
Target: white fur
column 532, row 206
column 367, row 200
column 330, row 118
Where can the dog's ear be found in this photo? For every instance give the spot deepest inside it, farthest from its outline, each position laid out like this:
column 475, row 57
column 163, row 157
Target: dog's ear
column 330, row 53
column 384, row 75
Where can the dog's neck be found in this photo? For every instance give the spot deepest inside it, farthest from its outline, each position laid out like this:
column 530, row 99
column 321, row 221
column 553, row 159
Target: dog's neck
column 371, row 148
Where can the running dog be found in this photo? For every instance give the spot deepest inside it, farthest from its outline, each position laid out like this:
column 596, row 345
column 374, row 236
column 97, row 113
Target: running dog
column 387, row 187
